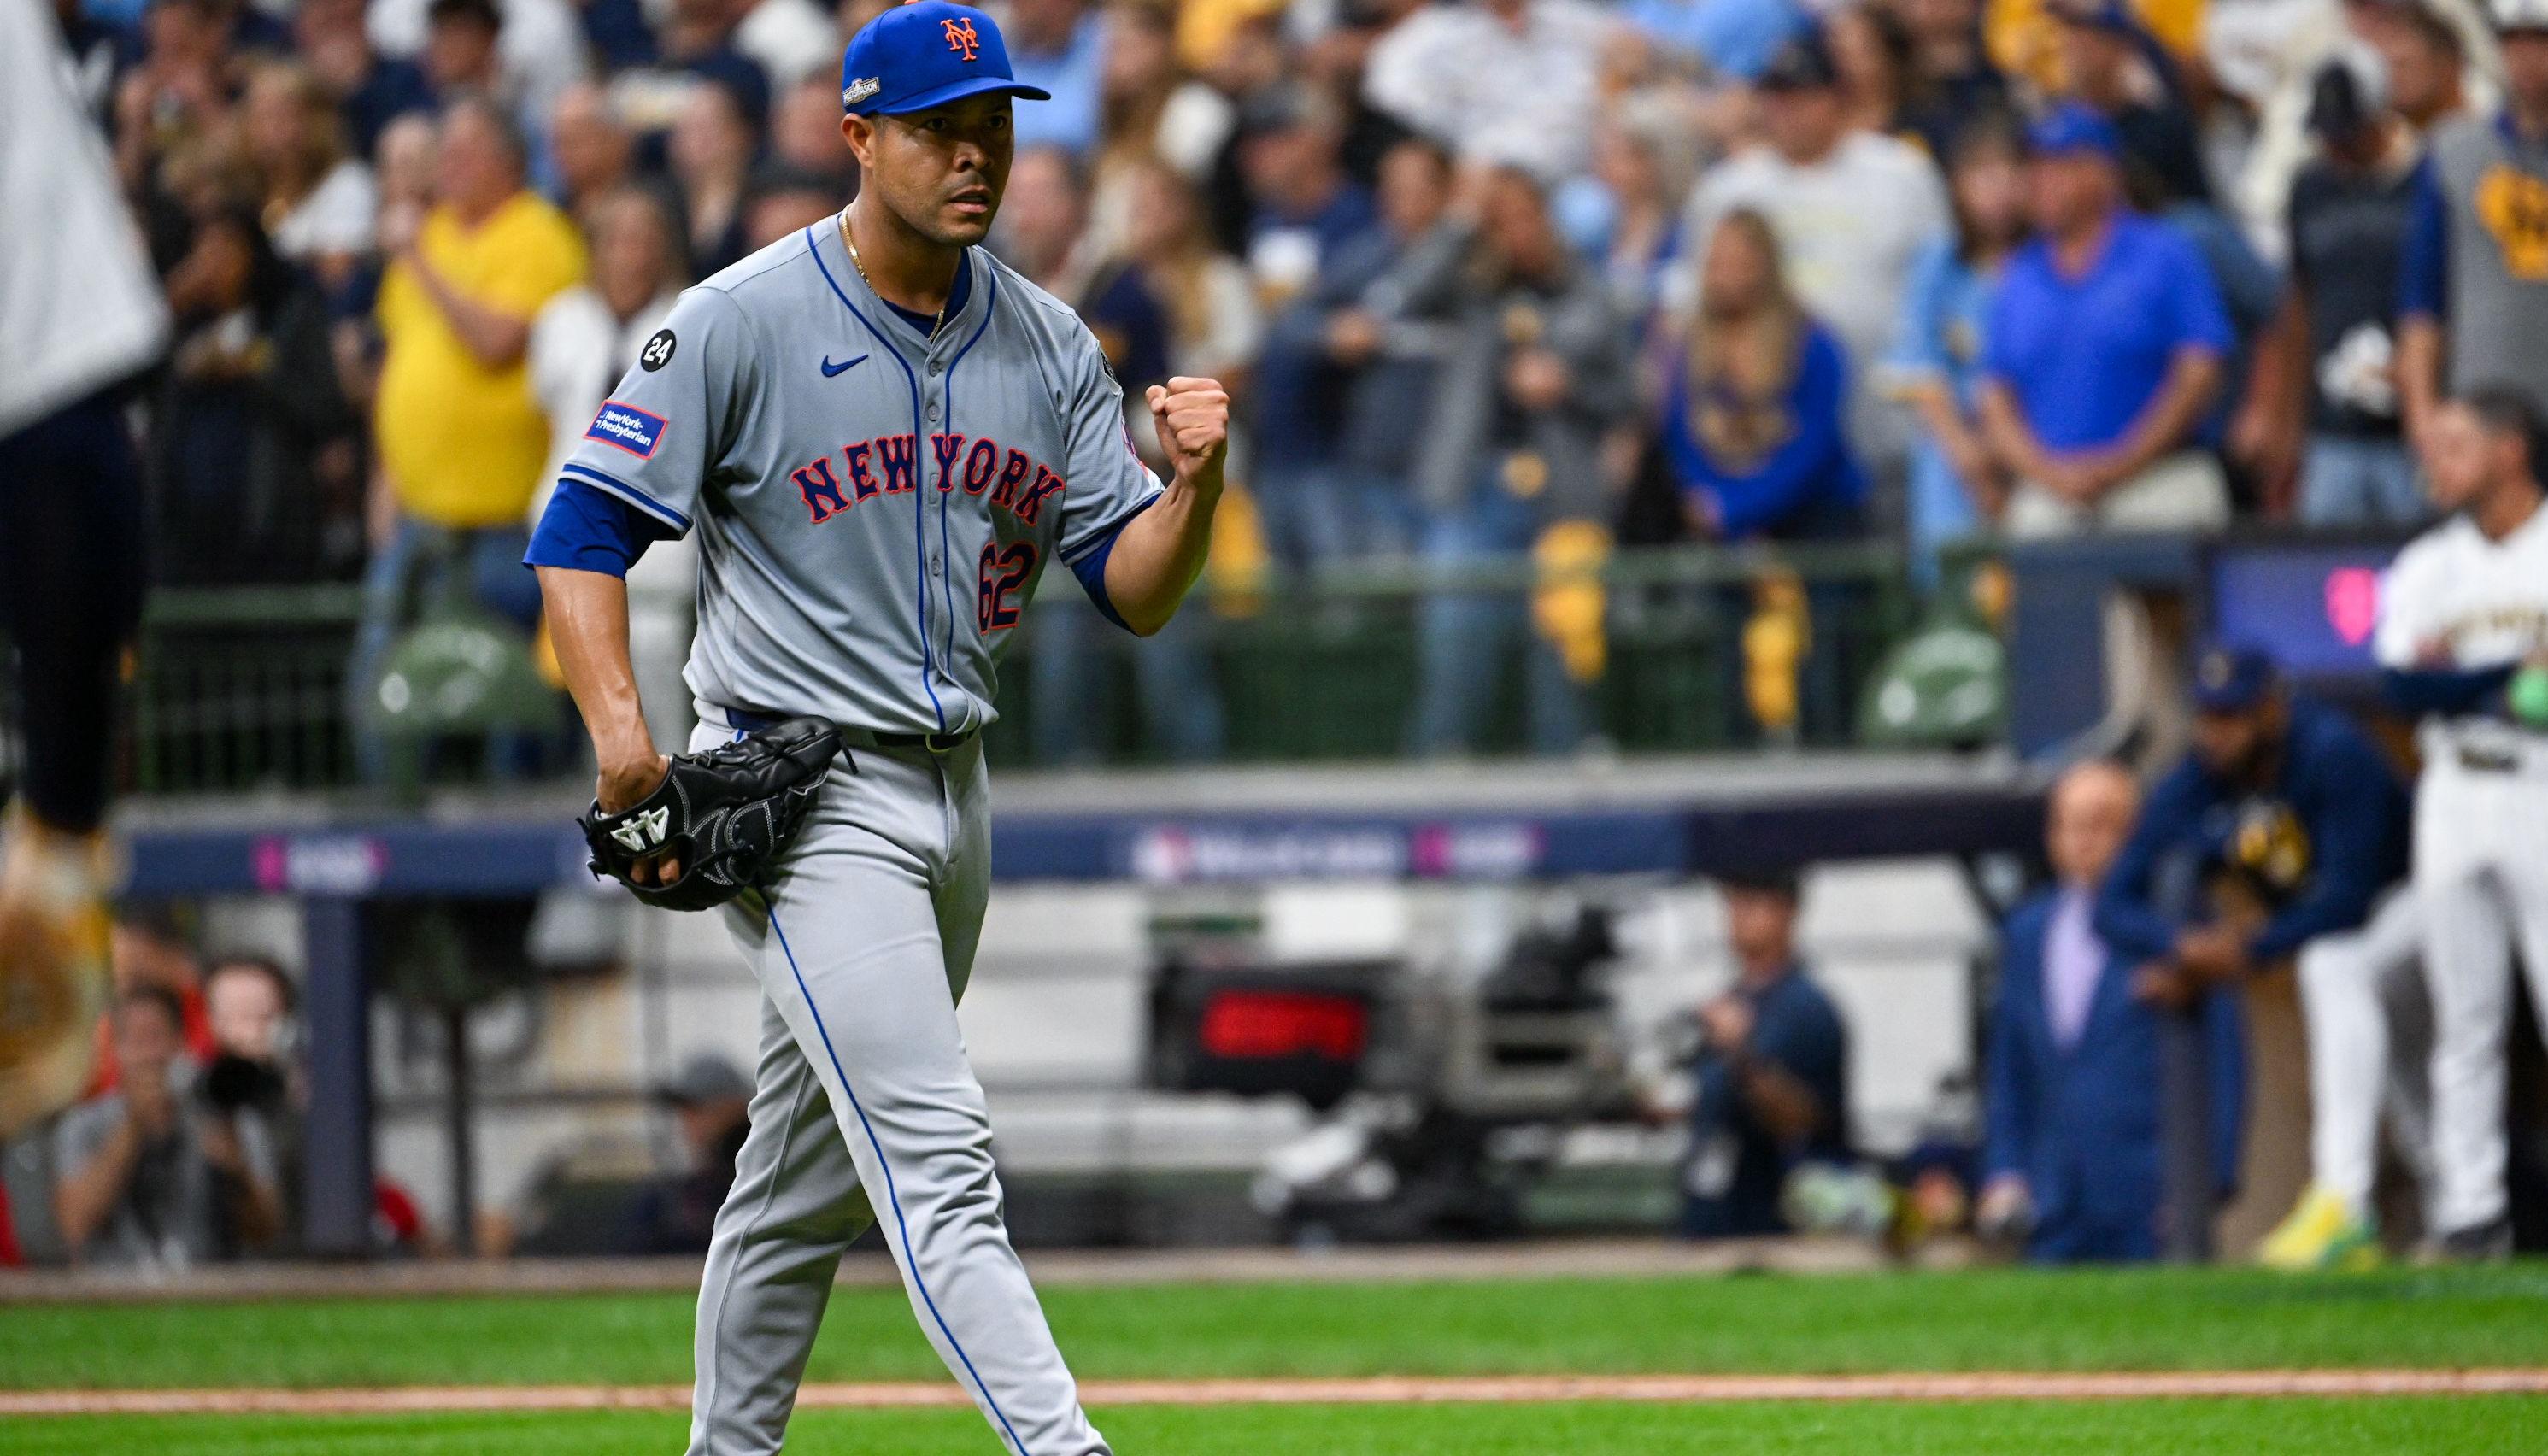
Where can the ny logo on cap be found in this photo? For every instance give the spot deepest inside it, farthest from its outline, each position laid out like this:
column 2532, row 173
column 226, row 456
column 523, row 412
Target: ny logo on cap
column 961, row 38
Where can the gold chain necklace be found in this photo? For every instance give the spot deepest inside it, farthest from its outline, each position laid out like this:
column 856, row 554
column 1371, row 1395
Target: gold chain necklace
column 852, row 243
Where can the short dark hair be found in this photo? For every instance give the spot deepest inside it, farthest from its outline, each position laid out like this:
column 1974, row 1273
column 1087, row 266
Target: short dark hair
column 483, row 12
column 287, row 994
column 160, row 997
column 2506, row 410
column 1785, row 881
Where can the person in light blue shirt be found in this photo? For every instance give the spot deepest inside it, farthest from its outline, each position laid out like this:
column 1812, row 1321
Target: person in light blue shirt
column 1060, row 46
column 1957, row 487
column 2104, row 348
column 1736, row 37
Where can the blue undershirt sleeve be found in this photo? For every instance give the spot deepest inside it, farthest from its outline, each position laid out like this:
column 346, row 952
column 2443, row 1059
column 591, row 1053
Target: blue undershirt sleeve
column 1090, row 566
column 588, row 529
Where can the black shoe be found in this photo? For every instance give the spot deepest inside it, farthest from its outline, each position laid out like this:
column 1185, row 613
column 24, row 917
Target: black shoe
column 2489, row 1242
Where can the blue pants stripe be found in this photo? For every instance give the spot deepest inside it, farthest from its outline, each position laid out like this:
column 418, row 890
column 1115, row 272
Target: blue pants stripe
column 901, row 1229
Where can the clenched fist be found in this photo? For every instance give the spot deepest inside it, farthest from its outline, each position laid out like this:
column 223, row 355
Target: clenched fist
column 1192, row 418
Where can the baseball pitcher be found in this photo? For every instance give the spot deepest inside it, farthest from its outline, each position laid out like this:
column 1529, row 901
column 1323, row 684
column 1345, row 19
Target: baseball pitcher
column 884, row 437
column 2463, row 638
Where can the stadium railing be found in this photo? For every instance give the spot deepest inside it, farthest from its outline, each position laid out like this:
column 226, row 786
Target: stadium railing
column 242, row 689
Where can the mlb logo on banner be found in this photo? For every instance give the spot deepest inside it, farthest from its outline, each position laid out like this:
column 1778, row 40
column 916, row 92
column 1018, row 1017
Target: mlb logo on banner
column 630, row 428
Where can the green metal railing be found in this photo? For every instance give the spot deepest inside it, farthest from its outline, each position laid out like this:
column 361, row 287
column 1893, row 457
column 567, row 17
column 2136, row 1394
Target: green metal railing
column 1326, row 668
column 244, row 689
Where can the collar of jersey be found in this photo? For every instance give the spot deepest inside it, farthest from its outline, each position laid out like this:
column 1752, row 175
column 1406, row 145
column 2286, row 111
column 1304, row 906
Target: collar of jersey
column 962, row 320
column 957, row 296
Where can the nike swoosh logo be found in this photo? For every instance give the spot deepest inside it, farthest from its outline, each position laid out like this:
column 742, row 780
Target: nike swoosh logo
column 830, row 369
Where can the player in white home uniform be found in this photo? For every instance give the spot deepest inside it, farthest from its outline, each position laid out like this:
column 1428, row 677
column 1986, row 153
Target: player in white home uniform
column 2463, row 638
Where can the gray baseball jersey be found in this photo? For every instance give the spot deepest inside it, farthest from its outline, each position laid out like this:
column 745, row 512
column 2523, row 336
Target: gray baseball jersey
column 874, row 510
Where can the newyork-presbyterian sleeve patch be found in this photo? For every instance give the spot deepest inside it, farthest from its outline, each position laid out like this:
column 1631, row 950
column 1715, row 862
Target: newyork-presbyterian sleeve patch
column 628, row 428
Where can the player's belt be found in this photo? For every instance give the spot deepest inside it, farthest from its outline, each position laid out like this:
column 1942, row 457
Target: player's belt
column 935, row 742
column 2488, row 759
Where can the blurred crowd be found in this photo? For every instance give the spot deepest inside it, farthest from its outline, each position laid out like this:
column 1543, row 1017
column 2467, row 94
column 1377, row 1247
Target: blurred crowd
column 1488, row 278
column 185, row 1146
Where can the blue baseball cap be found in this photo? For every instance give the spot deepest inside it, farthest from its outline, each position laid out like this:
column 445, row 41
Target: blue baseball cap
column 2070, row 129
column 925, row 53
column 2230, row 678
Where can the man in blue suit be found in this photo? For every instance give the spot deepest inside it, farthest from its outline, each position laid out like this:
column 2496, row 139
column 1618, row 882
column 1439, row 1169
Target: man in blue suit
column 2072, row 1103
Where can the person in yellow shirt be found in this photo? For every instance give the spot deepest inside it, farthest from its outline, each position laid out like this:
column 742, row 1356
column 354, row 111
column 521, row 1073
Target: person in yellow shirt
column 2024, row 37
column 460, row 437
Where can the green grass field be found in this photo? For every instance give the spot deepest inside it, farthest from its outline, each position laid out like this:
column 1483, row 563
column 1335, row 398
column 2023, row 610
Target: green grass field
column 2496, row 1426
column 1999, row 1319
column 2015, row 1321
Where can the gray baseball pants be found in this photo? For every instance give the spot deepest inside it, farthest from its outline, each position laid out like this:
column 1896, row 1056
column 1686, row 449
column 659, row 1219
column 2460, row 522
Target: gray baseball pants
column 865, row 1111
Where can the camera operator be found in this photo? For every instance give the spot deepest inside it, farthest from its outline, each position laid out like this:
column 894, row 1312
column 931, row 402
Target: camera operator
column 154, row 1177
column 1773, row 1070
column 255, row 1066
column 250, row 1001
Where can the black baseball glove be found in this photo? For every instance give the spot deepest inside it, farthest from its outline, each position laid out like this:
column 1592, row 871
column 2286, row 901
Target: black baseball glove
column 723, row 815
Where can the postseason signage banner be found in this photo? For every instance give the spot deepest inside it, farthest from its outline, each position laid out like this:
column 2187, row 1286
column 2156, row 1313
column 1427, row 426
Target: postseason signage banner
column 2313, row 606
